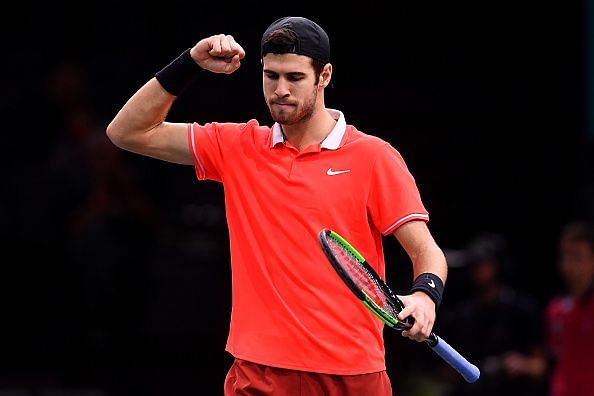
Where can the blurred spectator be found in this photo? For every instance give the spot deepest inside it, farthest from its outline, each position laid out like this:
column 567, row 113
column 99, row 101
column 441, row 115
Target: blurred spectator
column 496, row 326
column 101, row 226
column 570, row 316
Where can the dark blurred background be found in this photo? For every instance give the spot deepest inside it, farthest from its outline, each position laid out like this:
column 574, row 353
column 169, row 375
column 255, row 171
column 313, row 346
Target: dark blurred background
column 115, row 276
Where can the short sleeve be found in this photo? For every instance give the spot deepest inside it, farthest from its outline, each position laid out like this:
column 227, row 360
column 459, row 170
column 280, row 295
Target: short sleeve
column 394, row 198
column 208, row 144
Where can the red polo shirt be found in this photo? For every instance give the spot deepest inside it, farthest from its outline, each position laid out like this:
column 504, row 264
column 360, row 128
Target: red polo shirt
column 571, row 338
column 289, row 308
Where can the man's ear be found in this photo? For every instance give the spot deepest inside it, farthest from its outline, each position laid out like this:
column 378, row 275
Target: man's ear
column 325, row 75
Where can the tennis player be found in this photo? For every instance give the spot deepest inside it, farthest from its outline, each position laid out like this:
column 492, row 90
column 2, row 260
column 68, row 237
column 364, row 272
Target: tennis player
column 295, row 328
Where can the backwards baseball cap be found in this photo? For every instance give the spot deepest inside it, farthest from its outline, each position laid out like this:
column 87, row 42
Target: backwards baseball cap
column 312, row 40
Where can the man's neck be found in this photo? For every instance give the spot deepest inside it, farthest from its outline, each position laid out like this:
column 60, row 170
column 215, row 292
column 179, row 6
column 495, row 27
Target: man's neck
column 311, row 131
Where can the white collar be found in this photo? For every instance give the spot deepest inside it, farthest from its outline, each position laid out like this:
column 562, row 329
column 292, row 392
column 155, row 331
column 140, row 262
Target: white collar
column 332, row 141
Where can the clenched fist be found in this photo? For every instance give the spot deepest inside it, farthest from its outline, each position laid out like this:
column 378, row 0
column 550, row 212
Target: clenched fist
column 219, row 54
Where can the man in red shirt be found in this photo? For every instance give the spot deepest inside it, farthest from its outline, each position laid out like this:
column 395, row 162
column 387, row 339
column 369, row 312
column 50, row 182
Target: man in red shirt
column 295, row 327
column 570, row 317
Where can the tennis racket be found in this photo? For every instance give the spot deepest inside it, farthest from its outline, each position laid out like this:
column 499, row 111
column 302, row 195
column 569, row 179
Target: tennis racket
column 379, row 299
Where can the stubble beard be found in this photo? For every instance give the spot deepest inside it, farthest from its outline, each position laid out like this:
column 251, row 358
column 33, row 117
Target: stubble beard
column 296, row 115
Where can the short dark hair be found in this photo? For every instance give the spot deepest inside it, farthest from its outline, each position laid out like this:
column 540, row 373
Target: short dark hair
column 283, row 41
column 578, row 231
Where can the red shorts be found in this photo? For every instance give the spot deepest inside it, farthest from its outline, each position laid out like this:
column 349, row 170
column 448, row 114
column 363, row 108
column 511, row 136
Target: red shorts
column 247, row 378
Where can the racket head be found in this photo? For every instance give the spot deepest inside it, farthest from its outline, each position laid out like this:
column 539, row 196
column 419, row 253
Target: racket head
column 362, row 279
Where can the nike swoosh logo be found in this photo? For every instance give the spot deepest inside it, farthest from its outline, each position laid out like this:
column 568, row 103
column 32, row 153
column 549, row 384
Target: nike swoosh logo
column 431, row 284
column 330, row 172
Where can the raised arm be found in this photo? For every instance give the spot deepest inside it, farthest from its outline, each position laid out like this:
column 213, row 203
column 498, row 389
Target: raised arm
column 426, row 258
column 140, row 124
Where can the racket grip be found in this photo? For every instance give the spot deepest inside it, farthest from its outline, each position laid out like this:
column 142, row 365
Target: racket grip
column 468, row 370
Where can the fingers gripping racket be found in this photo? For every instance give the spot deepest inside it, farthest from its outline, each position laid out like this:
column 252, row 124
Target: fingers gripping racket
column 379, row 299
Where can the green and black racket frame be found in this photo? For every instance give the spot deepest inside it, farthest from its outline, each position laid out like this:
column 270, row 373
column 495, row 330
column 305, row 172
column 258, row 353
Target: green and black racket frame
column 373, row 292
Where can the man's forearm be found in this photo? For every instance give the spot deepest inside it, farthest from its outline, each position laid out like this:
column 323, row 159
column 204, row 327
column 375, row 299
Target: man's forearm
column 430, row 272
column 430, row 259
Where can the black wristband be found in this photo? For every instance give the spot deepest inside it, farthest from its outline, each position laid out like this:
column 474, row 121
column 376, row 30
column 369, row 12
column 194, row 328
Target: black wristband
column 179, row 74
column 429, row 284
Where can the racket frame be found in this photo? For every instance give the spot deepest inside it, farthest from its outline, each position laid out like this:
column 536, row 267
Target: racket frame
column 470, row 372
column 395, row 302
column 370, row 273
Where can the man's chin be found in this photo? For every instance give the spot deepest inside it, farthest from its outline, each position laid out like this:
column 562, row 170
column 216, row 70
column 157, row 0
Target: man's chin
column 283, row 119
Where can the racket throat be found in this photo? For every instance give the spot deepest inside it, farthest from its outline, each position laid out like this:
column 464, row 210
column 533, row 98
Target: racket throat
column 384, row 316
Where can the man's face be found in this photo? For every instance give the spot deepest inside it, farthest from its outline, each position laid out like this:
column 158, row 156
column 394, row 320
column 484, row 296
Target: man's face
column 290, row 88
column 576, row 262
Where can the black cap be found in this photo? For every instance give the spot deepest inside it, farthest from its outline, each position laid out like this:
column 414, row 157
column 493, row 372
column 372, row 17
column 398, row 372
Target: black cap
column 312, row 40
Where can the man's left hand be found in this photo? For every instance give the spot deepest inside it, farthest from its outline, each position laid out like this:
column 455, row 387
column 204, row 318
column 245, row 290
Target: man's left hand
column 422, row 309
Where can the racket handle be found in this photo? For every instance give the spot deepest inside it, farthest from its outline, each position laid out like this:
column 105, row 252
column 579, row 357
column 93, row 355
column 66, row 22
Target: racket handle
column 468, row 370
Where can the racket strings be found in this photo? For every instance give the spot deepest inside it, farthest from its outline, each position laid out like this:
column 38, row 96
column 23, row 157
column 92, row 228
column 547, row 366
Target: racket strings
column 361, row 276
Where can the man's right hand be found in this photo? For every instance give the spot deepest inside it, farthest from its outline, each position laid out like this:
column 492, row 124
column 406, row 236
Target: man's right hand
column 218, row 54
